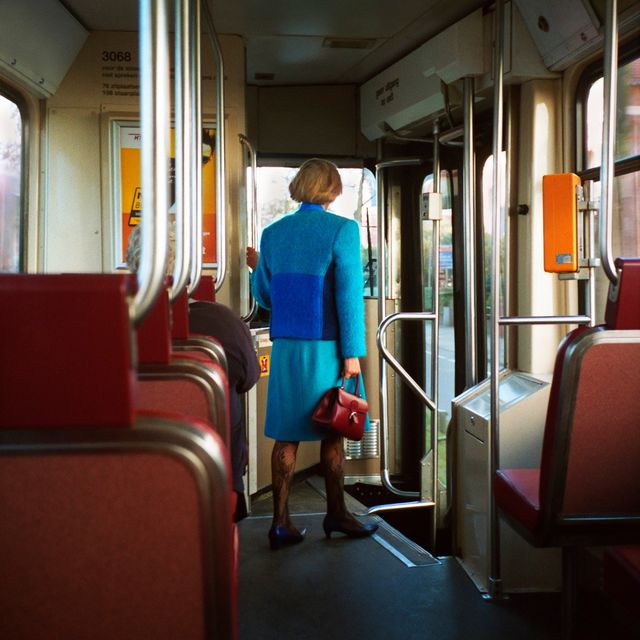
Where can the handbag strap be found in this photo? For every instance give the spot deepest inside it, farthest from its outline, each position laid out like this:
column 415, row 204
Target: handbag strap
column 344, row 380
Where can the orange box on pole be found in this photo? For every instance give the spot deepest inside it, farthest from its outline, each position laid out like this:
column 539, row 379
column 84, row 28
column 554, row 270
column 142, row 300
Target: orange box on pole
column 560, row 222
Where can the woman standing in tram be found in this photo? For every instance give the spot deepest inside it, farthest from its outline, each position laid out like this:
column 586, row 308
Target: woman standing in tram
column 309, row 275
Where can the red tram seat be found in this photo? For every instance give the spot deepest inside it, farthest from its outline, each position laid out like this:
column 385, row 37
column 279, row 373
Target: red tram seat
column 187, row 382
column 587, row 488
column 114, row 524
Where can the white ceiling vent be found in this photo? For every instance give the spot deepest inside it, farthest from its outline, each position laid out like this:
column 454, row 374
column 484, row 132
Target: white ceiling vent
column 411, row 89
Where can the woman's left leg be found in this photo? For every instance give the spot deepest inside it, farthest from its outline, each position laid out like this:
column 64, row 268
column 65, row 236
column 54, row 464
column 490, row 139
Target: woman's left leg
column 283, row 463
column 338, row 517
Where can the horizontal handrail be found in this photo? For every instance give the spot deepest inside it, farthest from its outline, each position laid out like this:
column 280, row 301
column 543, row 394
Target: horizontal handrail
column 398, row 162
column 528, row 320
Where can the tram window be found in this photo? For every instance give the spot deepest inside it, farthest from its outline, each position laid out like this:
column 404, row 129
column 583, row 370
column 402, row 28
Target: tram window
column 626, row 192
column 358, row 202
column 10, row 185
column 487, row 212
column 446, row 351
column 628, row 116
column 446, row 250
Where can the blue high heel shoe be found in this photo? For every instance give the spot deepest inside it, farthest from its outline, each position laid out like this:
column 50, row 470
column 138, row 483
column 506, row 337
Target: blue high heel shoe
column 357, row 530
column 280, row 537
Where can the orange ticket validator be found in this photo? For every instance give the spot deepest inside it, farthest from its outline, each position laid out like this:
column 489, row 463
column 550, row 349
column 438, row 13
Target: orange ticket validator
column 560, row 222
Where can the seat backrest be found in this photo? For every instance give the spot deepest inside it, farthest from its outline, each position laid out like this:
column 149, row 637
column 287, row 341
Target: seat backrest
column 205, row 289
column 104, row 536
column 180, row 317
column 201, row 344
column 154, row 334
column 190, row 384
column 589, row 465
column 65, row 357
column 623, row 302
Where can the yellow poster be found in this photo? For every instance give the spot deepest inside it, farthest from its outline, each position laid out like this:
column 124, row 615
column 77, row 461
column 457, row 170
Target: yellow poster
column 131, row 196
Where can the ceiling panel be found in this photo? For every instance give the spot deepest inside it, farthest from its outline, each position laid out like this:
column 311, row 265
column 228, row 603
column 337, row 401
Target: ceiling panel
column 353, row 18
column 297, row 60
column 284, row 37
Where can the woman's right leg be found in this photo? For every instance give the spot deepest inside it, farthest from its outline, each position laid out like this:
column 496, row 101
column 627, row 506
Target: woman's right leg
column 283, row 464
column 338, row 517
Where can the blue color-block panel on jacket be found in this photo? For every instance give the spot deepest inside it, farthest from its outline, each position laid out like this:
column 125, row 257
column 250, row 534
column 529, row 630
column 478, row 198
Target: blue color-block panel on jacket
column 299, row 301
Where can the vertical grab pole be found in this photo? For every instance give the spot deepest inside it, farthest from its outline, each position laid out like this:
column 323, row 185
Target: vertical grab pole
column 435, row 330
column 609, row 139
column 154, row 112
column 196, row 148
column 195, row 271
column 184, row 167
column 221, row 197
column 382, row 294
column 495, row 579
column 252, row 222
column 469, row 200
column 589, row 216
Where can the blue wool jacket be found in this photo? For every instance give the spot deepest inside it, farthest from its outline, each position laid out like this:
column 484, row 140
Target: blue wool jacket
column 309, row 275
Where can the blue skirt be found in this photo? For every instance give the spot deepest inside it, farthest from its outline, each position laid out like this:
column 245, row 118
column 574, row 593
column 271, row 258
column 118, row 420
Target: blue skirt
column 301, row 372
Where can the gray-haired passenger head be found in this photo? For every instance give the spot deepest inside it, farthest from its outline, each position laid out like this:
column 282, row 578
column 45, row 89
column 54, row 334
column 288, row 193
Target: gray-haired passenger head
column 134, row 247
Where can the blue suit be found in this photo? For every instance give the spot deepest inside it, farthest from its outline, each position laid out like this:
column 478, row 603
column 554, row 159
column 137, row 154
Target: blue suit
column 309, row 275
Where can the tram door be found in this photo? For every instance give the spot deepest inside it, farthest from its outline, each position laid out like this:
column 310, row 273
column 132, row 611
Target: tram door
column 425, row 271
column 417, row 255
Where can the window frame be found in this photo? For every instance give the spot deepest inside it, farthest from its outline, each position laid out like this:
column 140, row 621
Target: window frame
column 589, row 76
column 9, row 93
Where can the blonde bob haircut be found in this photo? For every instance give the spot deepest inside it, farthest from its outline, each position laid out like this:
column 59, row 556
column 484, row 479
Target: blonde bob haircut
column 317, row 181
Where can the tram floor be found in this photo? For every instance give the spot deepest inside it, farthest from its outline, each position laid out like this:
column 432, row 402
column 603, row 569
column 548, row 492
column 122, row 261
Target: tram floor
column 384, row 587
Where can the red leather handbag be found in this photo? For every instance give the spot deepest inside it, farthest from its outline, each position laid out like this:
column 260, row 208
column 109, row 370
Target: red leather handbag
column 342, row 411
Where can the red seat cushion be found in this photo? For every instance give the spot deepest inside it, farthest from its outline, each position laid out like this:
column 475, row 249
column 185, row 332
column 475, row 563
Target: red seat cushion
column 517, row 493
